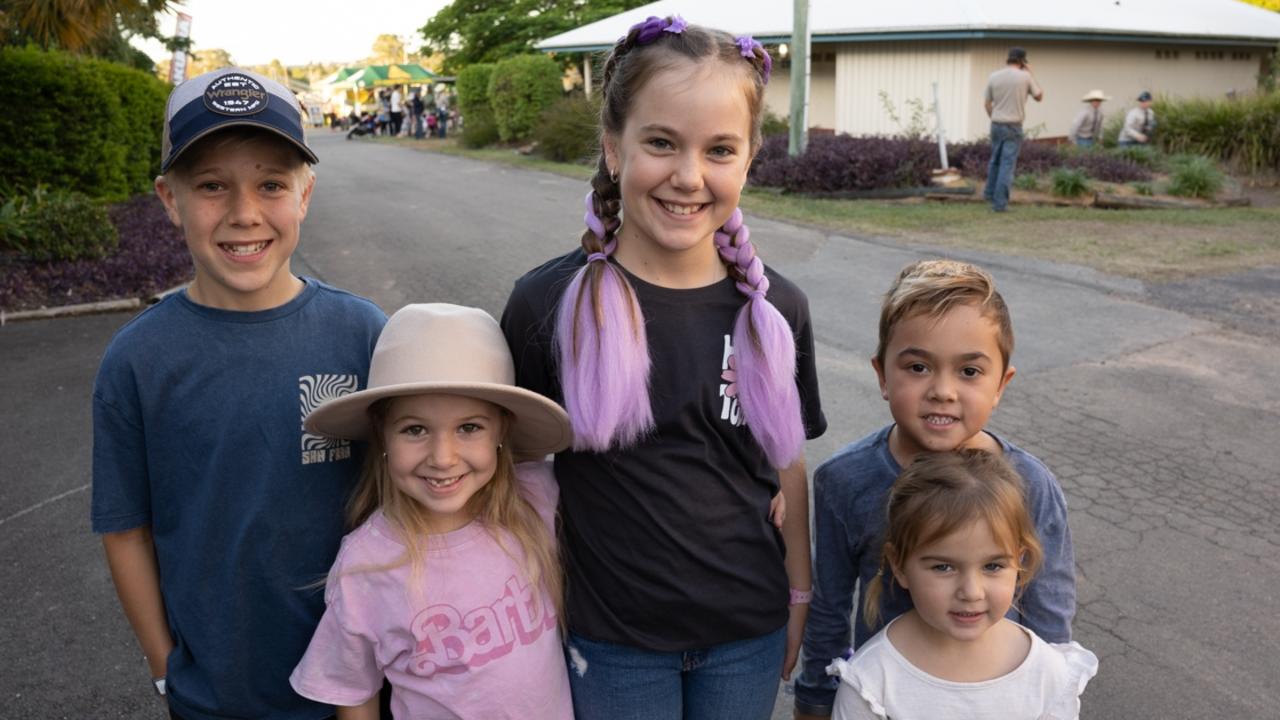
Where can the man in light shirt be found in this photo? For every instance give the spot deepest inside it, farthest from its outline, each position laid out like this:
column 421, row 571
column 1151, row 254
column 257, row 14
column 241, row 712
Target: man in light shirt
column 1005, row 101
column 1139, row 123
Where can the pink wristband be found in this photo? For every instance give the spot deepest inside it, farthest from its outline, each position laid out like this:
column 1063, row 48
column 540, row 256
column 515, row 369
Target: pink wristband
column 800, row 597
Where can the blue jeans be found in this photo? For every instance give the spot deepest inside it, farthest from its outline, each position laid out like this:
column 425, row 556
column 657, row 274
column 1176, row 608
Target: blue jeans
column 1084, row 142
column 731, row 681
column 1006, row 140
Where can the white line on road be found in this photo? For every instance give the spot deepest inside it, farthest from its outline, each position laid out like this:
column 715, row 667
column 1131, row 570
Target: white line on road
column 42, row 503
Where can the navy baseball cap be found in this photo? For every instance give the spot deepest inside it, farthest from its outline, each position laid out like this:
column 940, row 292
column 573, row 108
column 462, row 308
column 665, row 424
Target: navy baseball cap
column 226, row 98
column 1144, row 96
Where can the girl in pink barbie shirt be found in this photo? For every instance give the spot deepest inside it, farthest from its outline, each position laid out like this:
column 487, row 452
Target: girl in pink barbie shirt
column 449, row 585
column 961, row 543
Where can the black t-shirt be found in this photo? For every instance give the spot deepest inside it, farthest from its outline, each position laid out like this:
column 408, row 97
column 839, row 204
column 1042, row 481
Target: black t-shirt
column 668, row 543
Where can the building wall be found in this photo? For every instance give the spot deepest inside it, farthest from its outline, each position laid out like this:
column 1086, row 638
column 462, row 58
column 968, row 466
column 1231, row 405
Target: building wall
column 822, row 89
column 872, row 76
column 1066, row 70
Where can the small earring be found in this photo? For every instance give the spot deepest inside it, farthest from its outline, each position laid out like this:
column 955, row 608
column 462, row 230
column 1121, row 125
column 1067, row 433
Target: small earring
column 613, row 176
column 499, row 447
column 384, row 457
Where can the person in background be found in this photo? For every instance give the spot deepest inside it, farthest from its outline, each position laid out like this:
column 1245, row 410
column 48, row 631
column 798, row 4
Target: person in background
column 397, row 110
column 1139, row 123
column 1005, row 101
column 1086, row 129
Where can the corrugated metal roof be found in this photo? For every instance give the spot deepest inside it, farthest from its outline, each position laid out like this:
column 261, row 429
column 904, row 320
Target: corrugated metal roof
column 854, row 19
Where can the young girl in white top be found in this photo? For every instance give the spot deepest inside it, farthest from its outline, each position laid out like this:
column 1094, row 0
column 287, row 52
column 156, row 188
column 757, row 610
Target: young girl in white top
column 960, row 541
column 449, row 586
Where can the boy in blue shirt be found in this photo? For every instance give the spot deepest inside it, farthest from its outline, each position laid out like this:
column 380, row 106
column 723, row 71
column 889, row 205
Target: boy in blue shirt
column 943, row 361
column 218, row 512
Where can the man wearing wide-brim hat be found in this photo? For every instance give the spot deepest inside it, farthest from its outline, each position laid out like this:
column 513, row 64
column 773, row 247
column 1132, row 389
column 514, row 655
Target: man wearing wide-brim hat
column 1086, row 129
column 1139, row 123
column 1005, row 101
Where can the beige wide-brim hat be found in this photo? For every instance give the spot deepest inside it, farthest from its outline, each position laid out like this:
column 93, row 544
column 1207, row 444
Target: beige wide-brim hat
column 441, row 348
column 1094, row 95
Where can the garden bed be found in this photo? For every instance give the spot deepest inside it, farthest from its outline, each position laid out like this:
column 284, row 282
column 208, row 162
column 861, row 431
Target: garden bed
column 150, row 258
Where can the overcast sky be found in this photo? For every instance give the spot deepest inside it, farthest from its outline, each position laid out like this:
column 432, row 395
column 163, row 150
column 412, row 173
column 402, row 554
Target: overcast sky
column 297, row 32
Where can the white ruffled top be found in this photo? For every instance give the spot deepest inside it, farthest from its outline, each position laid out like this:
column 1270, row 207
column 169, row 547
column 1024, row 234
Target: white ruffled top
column 879, row 682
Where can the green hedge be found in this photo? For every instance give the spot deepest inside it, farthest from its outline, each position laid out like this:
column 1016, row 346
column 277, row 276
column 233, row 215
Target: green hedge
column 521, row 89
column 1244, row 132
column 569, row 130
column 473, row 93
column 77, row 124
column 56, row 225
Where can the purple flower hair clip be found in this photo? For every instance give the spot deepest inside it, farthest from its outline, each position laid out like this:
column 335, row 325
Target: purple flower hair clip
column 748, row 45
column 653, row 27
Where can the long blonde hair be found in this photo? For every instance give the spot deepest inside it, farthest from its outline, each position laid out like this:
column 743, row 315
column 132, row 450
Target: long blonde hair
column 498, row 506
column 941, row 493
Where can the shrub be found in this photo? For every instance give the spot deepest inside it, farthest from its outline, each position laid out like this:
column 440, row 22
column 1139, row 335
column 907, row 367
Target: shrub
column 151, row 257
column 569, row 130
column 1040, row 158
column 473, row 92
column 479, row 132
column 520, row 89
column 1243, row 131
column 1141, row 155
column 56, row 225
column 78, row 124
column 1195, row 177
column 1027, row 182
column 1069, row 183
column 1144, row 188
column 836, row 163
column 775, row 124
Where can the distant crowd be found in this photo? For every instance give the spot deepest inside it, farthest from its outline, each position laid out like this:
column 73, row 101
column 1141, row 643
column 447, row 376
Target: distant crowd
column 426, row 113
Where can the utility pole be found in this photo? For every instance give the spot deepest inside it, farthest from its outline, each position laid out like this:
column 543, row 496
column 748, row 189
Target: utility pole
column 799, row 78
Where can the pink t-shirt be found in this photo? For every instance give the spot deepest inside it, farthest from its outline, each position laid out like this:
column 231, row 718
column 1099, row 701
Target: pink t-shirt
column 472, row 643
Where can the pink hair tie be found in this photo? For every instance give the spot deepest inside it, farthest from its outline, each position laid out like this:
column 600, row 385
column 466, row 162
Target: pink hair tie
column 603, row 255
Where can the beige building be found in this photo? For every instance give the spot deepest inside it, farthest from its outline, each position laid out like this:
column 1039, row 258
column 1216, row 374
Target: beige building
column 867, row 57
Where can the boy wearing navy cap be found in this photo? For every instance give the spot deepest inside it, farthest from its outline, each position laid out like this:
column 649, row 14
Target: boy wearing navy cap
column 217, row 510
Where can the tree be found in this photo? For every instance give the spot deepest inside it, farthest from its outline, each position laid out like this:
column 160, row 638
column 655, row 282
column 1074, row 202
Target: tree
column 387, row 49
column 481, row 31
column 203, row 61
column 101, row 28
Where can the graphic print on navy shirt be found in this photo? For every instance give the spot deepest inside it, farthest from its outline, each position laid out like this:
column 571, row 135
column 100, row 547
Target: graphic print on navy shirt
column 312, row 391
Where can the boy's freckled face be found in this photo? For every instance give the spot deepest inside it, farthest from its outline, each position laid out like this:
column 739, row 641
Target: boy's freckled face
column 942, row 377
column 240, row 206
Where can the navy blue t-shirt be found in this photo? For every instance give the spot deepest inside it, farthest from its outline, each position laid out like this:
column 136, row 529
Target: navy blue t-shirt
column 197, row 417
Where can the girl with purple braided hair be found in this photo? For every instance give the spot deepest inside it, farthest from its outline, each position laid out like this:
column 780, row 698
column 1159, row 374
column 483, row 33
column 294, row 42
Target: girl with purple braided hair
column 687, row 370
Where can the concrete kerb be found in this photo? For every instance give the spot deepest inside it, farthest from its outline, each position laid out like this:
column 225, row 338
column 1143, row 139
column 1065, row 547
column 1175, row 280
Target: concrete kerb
column 93, row 308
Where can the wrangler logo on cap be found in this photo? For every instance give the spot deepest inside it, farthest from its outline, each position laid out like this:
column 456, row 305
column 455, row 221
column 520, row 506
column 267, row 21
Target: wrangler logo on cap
column 235, row 94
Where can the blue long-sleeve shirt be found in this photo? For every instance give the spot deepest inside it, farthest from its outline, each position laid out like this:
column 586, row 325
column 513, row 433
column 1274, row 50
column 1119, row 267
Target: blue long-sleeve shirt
column 851, row 492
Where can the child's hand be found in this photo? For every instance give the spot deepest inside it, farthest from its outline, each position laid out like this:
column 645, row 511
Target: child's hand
column 778, row 510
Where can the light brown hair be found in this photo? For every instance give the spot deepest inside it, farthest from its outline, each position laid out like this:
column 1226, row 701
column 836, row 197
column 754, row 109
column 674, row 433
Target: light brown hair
column 940, row 493
column 932, row 287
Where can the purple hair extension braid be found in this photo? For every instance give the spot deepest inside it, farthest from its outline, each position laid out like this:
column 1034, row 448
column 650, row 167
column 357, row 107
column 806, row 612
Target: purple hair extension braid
column 766, row 352
column 603, row 350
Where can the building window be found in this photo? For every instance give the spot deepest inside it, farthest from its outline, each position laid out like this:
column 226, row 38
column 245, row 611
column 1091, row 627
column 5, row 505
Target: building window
column 1166, row 54
column 1210, row 55
column 1241, row 56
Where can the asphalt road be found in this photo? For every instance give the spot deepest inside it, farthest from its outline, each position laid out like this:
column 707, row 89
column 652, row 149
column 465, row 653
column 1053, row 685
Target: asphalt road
column 1160, row 423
